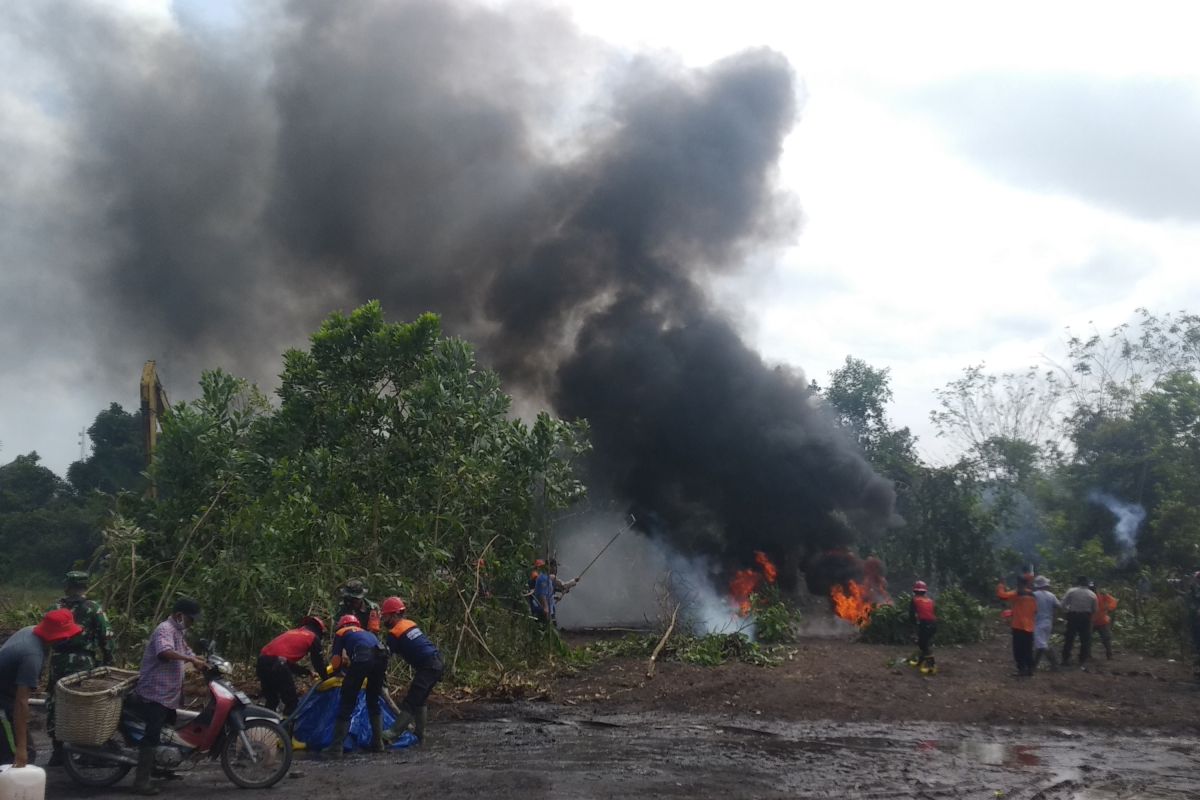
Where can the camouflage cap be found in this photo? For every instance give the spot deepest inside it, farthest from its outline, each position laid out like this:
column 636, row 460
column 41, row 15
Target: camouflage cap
column 77, row 578
column 355, row 589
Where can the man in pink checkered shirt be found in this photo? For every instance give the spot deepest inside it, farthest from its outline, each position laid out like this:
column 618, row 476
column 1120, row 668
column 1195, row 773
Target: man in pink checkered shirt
column 160, row 683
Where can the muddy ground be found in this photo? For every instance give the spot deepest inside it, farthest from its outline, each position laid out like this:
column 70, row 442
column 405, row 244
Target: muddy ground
column 834, row 721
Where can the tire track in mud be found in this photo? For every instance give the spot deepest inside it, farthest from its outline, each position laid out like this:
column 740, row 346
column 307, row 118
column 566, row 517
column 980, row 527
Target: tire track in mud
column 530, row 751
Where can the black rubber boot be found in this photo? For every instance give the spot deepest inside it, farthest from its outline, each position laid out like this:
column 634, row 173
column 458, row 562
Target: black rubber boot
column 340, row 728
column 376, row 731
column 145, row 766
column 403, row 720
column 419, row 720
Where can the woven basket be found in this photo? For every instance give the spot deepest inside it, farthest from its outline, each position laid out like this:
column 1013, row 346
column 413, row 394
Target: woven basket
column 87, row 705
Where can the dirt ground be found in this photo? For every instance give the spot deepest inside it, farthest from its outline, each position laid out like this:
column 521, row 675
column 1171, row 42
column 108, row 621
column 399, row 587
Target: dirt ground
column 834, row 721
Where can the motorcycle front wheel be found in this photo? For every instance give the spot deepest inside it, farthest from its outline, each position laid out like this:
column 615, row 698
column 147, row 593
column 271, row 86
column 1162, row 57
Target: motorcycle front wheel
column 267, row 759
column 92, row 770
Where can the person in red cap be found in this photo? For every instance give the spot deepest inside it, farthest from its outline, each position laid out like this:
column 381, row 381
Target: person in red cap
column 21, row 660
column 279, row 663
column 406, row 640
column 921, row 615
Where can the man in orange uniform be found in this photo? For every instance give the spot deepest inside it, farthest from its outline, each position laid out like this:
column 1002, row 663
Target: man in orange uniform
column 921, row 613
column 1101, row 622
column 1024, row 612
column 281, row 658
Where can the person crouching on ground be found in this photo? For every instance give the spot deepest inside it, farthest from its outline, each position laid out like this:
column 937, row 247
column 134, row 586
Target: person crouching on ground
column 21, row 660
column 1043, row 624
column 279, row 663
column 406, row 640
column 1024, row 612
column 364, row 659
column 921, row 614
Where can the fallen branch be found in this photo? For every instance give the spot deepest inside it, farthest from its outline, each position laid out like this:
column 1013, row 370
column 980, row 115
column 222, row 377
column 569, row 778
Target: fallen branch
column 662, row 643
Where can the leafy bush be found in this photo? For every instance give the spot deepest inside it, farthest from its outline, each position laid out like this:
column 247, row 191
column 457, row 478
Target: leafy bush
column 961, row 620
column 774, row 620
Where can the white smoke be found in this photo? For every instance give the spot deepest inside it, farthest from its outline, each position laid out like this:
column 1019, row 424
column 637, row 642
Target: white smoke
column 1128, row 516
column 638, row 581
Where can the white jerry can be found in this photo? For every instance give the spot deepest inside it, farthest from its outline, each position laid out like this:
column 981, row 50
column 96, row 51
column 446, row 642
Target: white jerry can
column 26, row 783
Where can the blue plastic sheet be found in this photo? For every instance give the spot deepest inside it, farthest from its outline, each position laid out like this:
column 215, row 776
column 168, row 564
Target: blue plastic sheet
column 313, row 720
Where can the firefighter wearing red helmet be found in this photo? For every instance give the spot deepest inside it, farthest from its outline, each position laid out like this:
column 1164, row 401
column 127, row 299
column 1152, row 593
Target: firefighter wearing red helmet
column 363, row 658
column 406, row 640
column 279, row 662
column 922, row 616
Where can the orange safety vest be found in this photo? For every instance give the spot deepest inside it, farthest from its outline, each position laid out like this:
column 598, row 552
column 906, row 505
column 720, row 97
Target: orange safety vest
column 1104, row 604
column 1024, row 607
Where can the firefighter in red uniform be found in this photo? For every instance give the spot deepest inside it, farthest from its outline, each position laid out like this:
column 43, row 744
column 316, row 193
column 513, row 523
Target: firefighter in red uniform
column 921, row 614
column 406, row 640
column 279, row 663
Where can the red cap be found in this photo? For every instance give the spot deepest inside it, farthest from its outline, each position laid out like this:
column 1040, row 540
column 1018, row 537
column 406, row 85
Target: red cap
column 57, row 625
column 348, row 619
column 393, row 605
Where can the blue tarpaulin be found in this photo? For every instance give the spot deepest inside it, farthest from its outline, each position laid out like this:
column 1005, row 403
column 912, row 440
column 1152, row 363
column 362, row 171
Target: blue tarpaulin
column 312, row 721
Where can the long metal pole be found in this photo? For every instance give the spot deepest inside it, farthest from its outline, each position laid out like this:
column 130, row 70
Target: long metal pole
column 629, row 524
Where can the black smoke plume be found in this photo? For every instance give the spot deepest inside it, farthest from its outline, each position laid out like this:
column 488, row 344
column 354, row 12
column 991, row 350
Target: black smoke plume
column 565, row 206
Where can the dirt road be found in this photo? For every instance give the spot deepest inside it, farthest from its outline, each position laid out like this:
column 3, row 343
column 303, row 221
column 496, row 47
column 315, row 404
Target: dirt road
column 835, row 721
column 539, row 750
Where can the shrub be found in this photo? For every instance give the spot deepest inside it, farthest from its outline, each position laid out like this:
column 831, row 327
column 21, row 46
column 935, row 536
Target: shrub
column 961, row 620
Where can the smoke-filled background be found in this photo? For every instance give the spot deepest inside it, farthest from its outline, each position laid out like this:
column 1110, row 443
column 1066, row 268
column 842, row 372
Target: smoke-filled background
column 206, row 196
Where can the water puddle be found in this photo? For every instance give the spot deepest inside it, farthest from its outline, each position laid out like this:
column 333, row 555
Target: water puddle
column 993, row 754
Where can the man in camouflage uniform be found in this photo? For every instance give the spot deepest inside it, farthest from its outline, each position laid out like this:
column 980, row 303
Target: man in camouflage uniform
column 89, row 649
column 354, row 601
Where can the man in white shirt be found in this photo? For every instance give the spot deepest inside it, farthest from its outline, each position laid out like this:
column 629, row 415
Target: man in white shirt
column 1080, row 604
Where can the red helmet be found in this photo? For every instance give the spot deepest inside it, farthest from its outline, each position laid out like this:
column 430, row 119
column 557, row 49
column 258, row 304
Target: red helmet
column 393, row 605
column 311, row 620
column 539, row 563
column 348, row 619
column 920, row 586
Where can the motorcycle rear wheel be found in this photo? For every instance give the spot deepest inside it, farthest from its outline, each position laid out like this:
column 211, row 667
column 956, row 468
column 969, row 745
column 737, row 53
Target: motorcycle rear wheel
column 272, row 752
column 89, row 770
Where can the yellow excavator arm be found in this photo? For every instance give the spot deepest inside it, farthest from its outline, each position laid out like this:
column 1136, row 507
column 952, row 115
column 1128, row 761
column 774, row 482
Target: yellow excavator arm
column 154, row 403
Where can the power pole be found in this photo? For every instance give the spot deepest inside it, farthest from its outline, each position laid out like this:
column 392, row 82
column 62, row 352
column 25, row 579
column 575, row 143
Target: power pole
column 83, row 443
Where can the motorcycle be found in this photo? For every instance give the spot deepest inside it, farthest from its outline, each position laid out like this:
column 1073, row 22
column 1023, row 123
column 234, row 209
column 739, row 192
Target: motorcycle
column 254, row 749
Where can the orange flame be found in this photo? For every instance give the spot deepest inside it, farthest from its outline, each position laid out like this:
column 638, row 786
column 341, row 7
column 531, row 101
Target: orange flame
column 746, row 581
column 851, row 603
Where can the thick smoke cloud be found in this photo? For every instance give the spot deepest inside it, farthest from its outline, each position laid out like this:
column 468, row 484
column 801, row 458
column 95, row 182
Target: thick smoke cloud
column 561, row 205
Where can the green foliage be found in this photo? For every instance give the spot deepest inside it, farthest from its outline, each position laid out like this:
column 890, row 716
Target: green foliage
column 708, row 650
column 1064, row 564
column 116, row 462
column 44, row 528
column 390, row 457
column 774, row 620
column 961, row 620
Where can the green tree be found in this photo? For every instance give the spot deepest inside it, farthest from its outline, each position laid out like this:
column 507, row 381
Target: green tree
column 116, row 461
column 859, row 394
column 390, row 457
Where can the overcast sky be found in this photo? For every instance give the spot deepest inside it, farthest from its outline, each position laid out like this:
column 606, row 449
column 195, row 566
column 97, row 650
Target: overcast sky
column 971, row 182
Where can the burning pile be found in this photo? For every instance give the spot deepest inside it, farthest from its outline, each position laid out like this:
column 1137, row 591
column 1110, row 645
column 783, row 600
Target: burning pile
column 746, row 582
column 854, row 601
